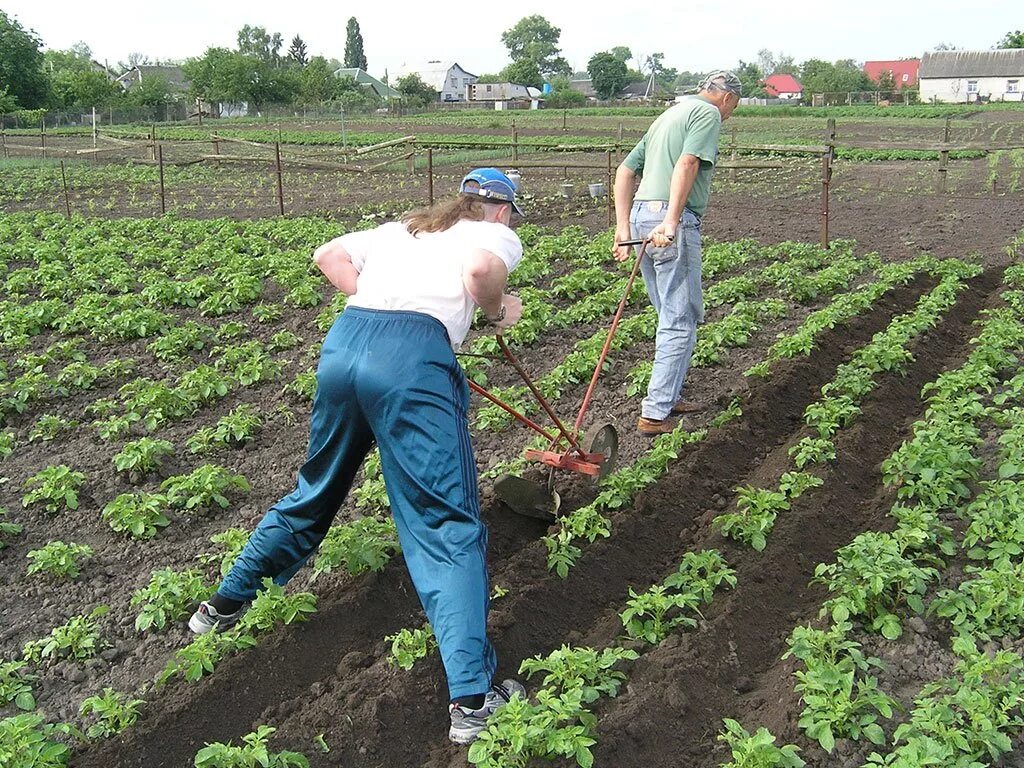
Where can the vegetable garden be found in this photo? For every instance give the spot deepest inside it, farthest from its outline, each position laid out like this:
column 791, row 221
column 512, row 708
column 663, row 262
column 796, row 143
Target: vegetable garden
column 823, row 567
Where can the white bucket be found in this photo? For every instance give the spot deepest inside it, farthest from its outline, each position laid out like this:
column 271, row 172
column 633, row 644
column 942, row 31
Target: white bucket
column 565, row 190
column 515, row 178
column 596, row 190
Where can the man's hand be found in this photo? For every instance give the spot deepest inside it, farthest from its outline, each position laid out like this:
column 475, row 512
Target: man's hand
column 622, row 252
column 511, row 311
column 663, row 234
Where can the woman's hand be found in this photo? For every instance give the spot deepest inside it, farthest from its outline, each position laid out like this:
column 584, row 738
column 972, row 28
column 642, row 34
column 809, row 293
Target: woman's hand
column 511, row 311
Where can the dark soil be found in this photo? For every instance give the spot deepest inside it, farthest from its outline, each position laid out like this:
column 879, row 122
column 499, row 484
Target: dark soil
column 330, row 676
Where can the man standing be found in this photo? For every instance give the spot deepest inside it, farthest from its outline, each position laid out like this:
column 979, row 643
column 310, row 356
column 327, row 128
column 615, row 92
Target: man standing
column 675, row 161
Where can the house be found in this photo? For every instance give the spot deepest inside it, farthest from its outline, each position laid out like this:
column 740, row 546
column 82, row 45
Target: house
column 500, row 92
column 971, row 76
column 783, row 86
column 584, row 86
column 449, row 80
column 381, row 89
column 504, row 95
column 173, row 75
column 904, row 71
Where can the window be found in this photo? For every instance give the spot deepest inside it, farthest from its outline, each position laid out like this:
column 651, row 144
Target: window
column 1013, row 86
column 906, row 77
column 455, row 82
column 972, row 86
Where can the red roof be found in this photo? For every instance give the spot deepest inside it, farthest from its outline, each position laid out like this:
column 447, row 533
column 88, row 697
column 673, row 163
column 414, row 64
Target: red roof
column 778, row 84
column 904, row 71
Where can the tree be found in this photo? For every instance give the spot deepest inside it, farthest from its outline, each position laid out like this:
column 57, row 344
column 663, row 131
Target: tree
column 522, row 73
column 836, row 78
column 414, row 91
column 886, row 81
column 81, row 88
column 945, row 47
column 1012, row 40
column 751, row 78
column 489, row 78
column 535, row 39
column 151, row 91
column 770, row 64
column 297, row 52
column 608, row 74
column 21, row 64
column 229, row 76
column 317, row 82
column 622, row 53
column 258, row 43
column 355, row 57
column 7, row 102
column 688, row 81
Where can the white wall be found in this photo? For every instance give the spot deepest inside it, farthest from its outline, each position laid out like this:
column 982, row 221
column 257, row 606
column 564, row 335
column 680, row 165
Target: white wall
column 456, row 91
column 954, row 90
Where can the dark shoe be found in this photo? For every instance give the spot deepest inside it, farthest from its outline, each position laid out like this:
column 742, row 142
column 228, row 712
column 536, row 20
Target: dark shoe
column 654, row 427
column 685, row 406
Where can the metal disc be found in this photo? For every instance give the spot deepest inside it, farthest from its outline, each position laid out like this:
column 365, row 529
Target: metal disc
column 603, row 439
column 525, row 497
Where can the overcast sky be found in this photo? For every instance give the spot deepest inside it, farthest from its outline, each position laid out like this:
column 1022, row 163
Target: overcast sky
column 697, row 35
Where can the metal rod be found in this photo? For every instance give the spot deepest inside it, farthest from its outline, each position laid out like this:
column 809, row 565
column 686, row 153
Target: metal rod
column 571, row 438
column 611, row 334
column 67, row 197
column 280, row 182
column 160, row 159
column 430, row 175
column 511, row 411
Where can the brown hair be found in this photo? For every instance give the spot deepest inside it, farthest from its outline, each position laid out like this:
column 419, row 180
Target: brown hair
column 444, row 214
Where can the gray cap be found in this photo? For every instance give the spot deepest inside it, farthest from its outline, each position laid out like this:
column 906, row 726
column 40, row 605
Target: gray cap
column 722, row 80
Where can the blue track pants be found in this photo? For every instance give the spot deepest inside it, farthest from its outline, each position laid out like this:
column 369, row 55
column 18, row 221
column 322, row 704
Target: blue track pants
column 391, row 377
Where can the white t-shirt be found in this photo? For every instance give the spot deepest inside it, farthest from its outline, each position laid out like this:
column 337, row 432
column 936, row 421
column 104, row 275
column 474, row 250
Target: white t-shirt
column 424, row 273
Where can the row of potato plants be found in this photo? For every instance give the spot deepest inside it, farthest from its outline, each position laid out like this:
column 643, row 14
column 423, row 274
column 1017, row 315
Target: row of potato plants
column 619, row 488
column 880, row 575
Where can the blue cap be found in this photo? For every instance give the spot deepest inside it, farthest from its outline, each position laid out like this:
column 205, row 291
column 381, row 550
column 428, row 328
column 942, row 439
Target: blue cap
column 491, row 184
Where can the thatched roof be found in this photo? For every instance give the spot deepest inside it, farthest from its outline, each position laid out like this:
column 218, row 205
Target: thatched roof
column 999, row 63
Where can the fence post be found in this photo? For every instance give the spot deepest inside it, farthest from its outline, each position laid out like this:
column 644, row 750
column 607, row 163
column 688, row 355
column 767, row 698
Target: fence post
column 611, row 185
column 565, row 113
column 152, row 141
column 160, row 160
column 430, row 175
column 732, row 157
column 410, row 163
column 3, row 137
column 618, row 142
column 943, row 169
column 826, row 173
column 94, row 127
column 216, row 149
column 42, row 136
column 67, row 197
column 945, row 132
column 280, row 181
column 515, row 143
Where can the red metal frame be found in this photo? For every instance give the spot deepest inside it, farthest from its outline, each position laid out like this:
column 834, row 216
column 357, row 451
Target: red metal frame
column 574, row 458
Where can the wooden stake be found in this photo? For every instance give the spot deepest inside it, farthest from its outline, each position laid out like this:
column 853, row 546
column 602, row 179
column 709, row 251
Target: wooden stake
column 826, row 174
column 565, row 113
column 163, row 200
column 732, row 156
column 42, row 137
column 280, row 181
column 410, row 165
column 94, row 127
column 611, row 184
column 945, row 132
column 515, row 143
column 67, row 197
column 430, row 175
column 3, row 136
column 943, row 169
column 152, row 141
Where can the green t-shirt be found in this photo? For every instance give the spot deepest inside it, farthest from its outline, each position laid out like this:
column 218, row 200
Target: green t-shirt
column 691, row 127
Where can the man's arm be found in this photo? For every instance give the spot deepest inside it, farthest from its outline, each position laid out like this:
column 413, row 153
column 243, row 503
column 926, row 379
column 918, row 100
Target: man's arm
column 683, row 175
column 625, row 188
column 336, row 264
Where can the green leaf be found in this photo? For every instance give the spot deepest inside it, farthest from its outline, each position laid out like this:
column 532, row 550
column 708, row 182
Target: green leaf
column 25, row 701
column 826, row 739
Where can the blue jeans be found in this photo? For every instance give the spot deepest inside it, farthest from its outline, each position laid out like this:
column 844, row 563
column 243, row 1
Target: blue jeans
column 672, row 277
column 391, row 377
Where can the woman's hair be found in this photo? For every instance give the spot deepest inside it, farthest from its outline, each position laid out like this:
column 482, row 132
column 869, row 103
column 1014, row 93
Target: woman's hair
column 444, row 214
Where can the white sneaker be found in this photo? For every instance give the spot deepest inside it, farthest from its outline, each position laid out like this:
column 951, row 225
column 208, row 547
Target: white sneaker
column 468, row 723
column 206, row 618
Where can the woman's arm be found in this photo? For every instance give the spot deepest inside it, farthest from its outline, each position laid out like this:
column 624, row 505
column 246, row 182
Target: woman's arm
column 336, row 264
column 484, row 275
